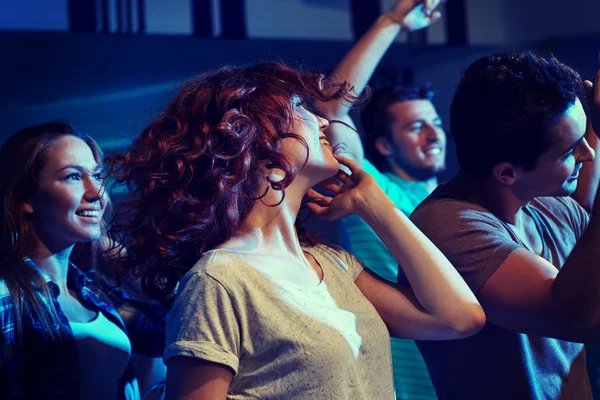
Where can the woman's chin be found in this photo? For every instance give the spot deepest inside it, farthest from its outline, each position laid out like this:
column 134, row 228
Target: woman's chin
column 332, row 167
column 324, row 170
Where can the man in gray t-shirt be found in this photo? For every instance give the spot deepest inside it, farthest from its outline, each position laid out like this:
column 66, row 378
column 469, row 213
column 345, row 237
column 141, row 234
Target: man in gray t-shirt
column 505, row 221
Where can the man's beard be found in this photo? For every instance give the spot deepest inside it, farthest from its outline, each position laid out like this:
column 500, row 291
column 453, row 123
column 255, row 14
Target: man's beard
column 421, row 172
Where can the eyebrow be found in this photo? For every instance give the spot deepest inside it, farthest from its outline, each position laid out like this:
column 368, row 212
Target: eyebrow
column 81, row 169
column 573, row 146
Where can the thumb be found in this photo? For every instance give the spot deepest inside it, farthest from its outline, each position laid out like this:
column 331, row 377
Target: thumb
column 435, row 16
column 319, row 210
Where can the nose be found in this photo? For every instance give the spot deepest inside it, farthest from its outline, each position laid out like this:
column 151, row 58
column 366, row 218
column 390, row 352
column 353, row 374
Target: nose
column 433, row 134
column 586, row 153
column 323, row 123
column 95, row 189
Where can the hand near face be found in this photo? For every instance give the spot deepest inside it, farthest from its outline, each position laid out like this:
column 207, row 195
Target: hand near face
column 593, row 98
column 348, row 196
column 413, row 15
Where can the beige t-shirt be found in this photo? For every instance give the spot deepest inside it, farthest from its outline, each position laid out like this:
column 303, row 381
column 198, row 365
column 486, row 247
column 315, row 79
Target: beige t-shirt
column 283, row 340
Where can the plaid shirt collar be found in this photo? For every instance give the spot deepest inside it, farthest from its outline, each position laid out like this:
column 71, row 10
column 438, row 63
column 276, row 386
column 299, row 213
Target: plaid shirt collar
column 76, row 279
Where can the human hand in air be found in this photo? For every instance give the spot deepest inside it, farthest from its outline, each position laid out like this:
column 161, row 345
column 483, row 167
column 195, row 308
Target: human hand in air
column 413, row 15
column 592, row 91
column 350, row 195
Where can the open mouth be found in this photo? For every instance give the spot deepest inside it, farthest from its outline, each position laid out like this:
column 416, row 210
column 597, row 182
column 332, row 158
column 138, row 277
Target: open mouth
column 323, row 140
column 92, row 214
column 432, row 151
column 575, row 175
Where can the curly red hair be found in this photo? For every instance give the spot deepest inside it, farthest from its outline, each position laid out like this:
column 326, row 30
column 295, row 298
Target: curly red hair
column 195, row 172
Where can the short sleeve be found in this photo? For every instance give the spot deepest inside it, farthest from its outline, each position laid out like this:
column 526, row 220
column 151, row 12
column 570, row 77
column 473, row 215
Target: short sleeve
column 472, row 239
column 202, row 323
column 352, row 265
column 393, row 191
column 577, row 217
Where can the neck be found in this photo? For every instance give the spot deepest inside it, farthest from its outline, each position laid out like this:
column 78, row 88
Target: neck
column 431, row 181
column 495, row 197
column 268, row 229
column 53, row 263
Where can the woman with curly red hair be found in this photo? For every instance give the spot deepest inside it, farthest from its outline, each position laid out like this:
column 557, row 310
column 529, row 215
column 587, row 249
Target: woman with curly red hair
column 217, row 182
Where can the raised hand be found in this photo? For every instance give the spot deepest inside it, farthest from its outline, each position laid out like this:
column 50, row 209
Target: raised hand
column 413, row 15
column 354, row 192
column 593, row 97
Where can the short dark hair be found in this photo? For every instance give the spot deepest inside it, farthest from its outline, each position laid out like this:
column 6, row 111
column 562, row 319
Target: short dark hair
column 504, row 108
column 375, row 117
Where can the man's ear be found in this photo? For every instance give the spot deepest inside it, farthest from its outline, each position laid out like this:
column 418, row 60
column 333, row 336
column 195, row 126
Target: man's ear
column 505, row 173
column 383, row 146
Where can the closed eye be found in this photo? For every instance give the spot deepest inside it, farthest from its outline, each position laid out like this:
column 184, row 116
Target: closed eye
column 567, row 155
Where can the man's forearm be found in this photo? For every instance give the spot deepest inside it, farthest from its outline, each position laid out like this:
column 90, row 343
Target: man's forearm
column 577, row 285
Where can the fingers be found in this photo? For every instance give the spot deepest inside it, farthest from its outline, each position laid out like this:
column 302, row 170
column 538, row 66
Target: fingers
column 342, row 176
column 334, row 185
column 318, row 204
column 589, row 129
column 429, row 6
column 330, row 186
column 321, row 212
column 593, row 97
column 318, row 198
column 435, row 16
column 312, row 194
column 596, row 88
column 316, row 208
column 351, row 164
column 592, row 91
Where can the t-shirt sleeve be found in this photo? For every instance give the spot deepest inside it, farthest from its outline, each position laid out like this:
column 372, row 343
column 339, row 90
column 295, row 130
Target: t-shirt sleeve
column 394, row 192
column 202, row 323
column 576, row 215
column 473, row 240
column 352, row 265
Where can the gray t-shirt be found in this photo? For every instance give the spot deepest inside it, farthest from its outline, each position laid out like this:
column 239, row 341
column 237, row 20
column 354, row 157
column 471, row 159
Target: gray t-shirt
column 283, row 340
column 498, row 363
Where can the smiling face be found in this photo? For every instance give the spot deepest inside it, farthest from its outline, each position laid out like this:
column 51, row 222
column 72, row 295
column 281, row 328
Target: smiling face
column 70, row 202
column 416, row 142
column 556, row 170
column 320, row 164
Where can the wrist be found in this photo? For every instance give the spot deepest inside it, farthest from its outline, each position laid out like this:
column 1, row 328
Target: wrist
column 387, row 19
column 369, row 203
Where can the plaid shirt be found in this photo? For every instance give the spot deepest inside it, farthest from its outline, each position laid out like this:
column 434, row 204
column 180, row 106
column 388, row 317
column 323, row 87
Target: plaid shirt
column 40, row 368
